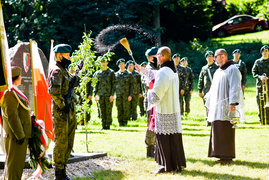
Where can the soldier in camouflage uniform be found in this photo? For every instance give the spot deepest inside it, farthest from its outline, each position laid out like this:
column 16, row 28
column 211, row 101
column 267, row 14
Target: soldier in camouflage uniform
column 64, row 119
column 206, row 76
column 137, row 90
column 181, row 74
column 141, row 100
column 104, row 91
column 150, row 135
column 260, row 71
column 124, row 92
column 188, row 84
column 241, row 66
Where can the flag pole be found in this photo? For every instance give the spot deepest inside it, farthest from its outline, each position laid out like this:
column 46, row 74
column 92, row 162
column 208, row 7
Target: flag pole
column 32, row 63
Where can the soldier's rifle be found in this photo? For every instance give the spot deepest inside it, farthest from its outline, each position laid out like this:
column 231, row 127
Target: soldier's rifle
column 73, row 83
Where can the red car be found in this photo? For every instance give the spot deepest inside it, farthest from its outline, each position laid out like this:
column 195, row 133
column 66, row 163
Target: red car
column 239, row 24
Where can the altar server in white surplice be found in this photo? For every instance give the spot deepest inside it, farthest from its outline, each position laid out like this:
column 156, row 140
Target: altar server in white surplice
column 225, row 95
column 169, row 153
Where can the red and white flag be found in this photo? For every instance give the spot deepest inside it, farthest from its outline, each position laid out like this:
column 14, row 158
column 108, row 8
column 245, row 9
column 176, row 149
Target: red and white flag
column 52, row 60
column 5, row 67
column 43, row 98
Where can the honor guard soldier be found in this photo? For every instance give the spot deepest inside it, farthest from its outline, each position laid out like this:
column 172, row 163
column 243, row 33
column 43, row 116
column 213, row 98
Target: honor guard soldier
column 151, row 55
column 17, row 127
column 64, row 119
column 181, row 73
column 206, row 76
column 104, row 91
column 141, row 100
column 124, row 92
column 241, row 66
column 188, row 84
column 137, row 90
column 260, row 71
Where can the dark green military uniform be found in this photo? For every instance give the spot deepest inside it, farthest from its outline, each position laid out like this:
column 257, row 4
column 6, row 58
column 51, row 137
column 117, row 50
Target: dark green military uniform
column 124, row 87
column 243, row 70
column 136, row 91
column 142, row 99
column 181, row 71
column 104, row 89
column 150, row 135
column 64, row 119
column 188, row 86
column 17, row 129
column 204, row 81
column 261, row 67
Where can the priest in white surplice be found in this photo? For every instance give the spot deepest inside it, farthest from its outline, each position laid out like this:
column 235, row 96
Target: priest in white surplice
column 225, row 95
column 169, row 153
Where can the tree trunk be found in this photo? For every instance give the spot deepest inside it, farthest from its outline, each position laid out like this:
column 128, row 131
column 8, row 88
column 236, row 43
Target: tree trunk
column 157, row 23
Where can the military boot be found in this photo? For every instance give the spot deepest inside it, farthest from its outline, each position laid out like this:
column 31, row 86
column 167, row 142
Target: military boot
column 150, row 152
column 64, row 174
column 59, row 174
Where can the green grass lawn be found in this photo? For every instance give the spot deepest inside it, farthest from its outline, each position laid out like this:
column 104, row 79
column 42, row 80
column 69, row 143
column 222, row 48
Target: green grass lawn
column 252, row 142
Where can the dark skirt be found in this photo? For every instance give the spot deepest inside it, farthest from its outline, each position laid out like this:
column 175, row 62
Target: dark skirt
column 170, row 152
column 222, row 140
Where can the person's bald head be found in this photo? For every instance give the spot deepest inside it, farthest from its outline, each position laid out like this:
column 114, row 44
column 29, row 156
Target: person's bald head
column 221, row 56
column 163, row 54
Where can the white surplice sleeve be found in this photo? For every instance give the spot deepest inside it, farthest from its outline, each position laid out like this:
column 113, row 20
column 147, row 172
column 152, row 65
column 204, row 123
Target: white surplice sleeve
column 156, row 94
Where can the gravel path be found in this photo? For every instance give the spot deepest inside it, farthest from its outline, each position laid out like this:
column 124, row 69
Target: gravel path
column 77, row 169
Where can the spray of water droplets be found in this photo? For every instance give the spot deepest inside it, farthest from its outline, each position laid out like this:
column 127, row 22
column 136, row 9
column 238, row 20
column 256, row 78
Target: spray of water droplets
column 110, row 37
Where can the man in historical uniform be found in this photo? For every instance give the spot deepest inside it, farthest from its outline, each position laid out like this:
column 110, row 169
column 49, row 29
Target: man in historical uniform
column 206, row 76
column 64, row 119
column 241, row 66
column 151, row 55
column 141, row 100
column 124, row 92
column 260, row 71
column 181, row 73
column 188, row 84
column 104, row 91
column 17, row 127
column 137, row 90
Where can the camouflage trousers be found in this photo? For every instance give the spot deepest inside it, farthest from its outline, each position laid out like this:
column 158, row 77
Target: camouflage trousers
column 123, row 106
column 186, row 98
column 64, row 126
column 141, row 106
column 105, row 110
column 134, row 103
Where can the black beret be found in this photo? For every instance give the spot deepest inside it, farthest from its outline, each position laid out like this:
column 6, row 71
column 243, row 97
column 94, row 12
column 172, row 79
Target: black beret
column 144, row 63
column 184, row 59
column 152, row 51
column 120, row 60
column 62, row 48
column 16, row 71
column 209, row 53
column 264, row 47
column 237, row 51
column 176, row 55
column 129, row 62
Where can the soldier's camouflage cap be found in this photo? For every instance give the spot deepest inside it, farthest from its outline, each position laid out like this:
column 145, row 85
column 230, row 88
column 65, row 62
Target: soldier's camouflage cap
column 62, row 48
column 144, row 63
column 129, row 62
column 120, row 60
column 176, row 55
column 152, row 51
column 16, row 71
column 184, row 59
column 209, row 53
column 264, row 47
column 237, row 51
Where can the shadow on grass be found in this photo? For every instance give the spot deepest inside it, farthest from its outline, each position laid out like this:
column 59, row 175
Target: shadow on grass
column 236, row 162
column 128, row 130
column 195, row 134
column 189, row 129
column 210, row 175
column 90, row 132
